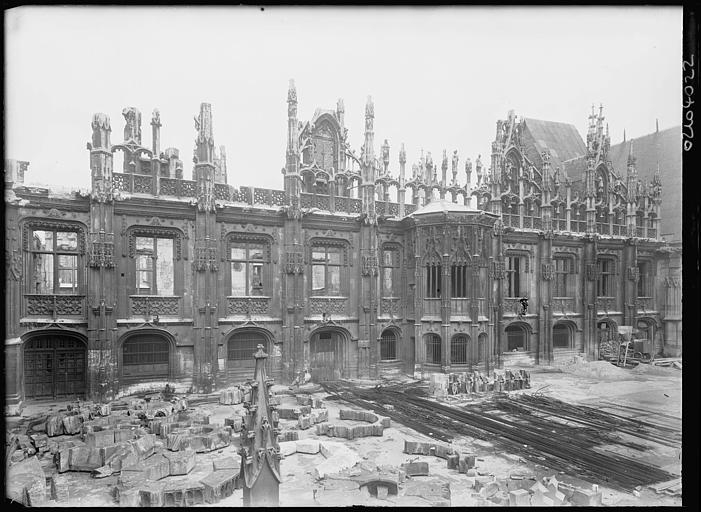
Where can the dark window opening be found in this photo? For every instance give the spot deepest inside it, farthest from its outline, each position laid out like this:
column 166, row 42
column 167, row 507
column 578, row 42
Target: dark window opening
column 388, row 346
column 516, row 338
column 458, row 281
column 433, row 349
column 561, row 336
column 242, row 346
column 433, row 281
column 458, row 349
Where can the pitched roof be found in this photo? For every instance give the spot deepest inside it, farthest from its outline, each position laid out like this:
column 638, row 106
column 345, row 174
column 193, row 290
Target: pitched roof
column 562, row 139
column 443, row 205
column 665, row 147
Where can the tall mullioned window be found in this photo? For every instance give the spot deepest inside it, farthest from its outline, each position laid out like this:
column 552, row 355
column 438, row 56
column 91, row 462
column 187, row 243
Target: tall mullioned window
column 248, row 263
column 390, row 273
column 327, row 267
column 154, row 266
column 563, row 267
column 516, row 276
column 458, row 281
column 606, row 283
column 54, row 256
column 433, row 281
column 644, row 279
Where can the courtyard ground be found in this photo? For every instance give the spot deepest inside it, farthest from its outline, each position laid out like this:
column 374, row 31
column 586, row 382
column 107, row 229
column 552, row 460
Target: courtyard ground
column 646, row 394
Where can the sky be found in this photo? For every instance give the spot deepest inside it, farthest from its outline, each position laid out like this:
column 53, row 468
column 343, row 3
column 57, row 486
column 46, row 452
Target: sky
column 440, row 78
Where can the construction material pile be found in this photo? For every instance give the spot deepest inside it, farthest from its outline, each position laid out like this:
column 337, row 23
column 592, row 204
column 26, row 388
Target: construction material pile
column 469, row 383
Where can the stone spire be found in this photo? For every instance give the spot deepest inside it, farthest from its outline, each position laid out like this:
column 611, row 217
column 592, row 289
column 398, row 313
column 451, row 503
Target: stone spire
column 369, row 133
column 260, row 452
column 204, row 143
column 204, row 159
column 156, row 133
column 402, row 179
column 385, row 156
column 340, row 111
column 369, row 166
column 101, row 158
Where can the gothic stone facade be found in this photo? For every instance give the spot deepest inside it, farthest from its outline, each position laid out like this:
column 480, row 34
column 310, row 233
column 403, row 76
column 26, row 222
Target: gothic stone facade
column 151, row 278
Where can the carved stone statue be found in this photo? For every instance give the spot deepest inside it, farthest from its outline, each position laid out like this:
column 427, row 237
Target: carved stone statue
column 132, row 128
column 455, row 164
column 468, row 169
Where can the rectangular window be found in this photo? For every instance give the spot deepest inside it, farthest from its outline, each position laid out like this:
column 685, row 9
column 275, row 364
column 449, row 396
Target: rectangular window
column 54, row 260
column 248, row 268
column 458, row 281
column 605, row 285
column 513, row 276
column 433, row 281
column 327, row 264
column 155, row 268
column 390, row 273
column 644, row 279
column 561, row 272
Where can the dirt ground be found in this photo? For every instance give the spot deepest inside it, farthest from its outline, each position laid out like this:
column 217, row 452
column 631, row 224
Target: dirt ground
column 652, row 394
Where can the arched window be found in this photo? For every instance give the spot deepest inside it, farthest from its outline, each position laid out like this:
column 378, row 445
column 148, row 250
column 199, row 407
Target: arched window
column 146, row 357
column 458, row 349
column 561, row 336
column 433, row 349
column 516, row 338
column 243, row 345
column 388, row 346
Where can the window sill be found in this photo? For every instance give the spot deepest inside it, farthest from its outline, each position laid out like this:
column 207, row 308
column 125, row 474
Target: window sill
column 248, row 296
column 328, row 297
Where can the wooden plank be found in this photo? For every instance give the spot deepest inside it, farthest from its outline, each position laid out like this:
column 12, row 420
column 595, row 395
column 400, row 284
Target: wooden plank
column 659, row 487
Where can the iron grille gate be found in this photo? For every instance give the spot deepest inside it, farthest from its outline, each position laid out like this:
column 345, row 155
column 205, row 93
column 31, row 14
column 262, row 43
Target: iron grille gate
column 239, row 355
column 458, row 349
column 388, row 346
column 54, row 367
column 433, row 349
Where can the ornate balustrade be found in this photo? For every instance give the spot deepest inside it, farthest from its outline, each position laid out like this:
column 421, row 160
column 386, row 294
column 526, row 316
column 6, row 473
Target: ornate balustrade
column 432, row 307
column 390, row 306
column 643, row 304
column 563, row 305
column 605, row 304
column 149, row 305
column 248, row 306
column 328, row 305
column 56, row 304
column 513, row 306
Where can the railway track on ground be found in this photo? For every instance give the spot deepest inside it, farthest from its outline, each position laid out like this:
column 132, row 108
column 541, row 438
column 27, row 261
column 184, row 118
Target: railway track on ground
column 566, row 452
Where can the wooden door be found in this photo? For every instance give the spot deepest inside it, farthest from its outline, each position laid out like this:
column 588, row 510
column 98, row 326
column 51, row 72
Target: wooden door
column 325, row 357
column 54, row 367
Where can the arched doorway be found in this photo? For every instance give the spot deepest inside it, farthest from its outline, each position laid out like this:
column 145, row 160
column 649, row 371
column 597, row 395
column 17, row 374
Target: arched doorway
column 607, row 335
column 562, row 336
column 516, row 337
column 458, row 349
column 646, row 331
column 145, row 356
column 54, row 366
column 326, row 358
column 388, row 345
column 240, row 363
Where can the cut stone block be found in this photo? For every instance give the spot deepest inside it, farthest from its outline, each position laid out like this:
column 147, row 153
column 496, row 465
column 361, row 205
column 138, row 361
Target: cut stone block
column 319, row 415
column 73, row 424
column 519, row 498
column 145, row 446
column 465, row 463
column 453, row 461
column 290, row 435
column 187, row 495
column 82, row 458
column 337, row 459
column 322, row 429
column 304, row 400
column 151, row 494
column 317, row 403
column 129, row 498
column 541, row 500
column 180, row 463
column 415, row 468
column 102, row 472
column 39, row 440
column 304, row 422
column 309, row 446
column 99, row 439
column 287, row 448
column 586, row 498
column 231, row 463
column 427, row 489
column 219, row 485
column 59, row 488
column 124, row 456
column 54, row 426
column 416, row 448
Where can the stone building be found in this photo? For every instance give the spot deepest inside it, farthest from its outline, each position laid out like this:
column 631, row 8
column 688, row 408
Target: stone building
column 352, row 270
